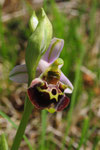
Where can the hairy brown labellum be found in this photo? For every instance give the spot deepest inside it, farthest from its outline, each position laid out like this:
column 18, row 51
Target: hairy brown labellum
column 44, row 95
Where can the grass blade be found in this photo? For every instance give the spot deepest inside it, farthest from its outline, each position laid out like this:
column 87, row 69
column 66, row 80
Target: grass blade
column 84, row 133
column 96, row 143
column 77, row 78
column 15, row 126
column 3, row 142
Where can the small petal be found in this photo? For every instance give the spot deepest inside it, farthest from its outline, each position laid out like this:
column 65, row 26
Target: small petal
column 54, row 50
column 19, row 74
column 43, row 65
column 66, row 81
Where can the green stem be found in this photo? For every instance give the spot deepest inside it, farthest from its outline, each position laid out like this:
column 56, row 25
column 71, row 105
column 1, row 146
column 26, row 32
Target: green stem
column 22, row 126
column 27, row 111
column 84, row 133
column 43, row 129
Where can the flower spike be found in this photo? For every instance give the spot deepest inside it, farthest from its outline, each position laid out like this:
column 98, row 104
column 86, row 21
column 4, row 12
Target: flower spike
column 48, row 90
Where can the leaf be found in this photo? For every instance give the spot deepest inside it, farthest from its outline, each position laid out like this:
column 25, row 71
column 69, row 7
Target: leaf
column 3, row 142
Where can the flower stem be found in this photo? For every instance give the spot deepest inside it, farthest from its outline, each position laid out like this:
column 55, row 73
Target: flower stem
column 22, row 126
column 43, row 129
column 27, row 111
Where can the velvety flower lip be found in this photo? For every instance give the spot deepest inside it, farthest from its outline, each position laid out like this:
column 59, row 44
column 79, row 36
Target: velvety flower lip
column 47, row 96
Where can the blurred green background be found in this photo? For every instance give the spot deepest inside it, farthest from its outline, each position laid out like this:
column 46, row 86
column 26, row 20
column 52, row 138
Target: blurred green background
column 78, row 23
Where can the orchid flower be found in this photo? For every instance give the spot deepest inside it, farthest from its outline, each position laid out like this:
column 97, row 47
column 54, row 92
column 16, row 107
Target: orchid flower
column 48, row 90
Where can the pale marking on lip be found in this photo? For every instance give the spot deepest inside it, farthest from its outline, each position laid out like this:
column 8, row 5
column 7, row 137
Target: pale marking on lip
column 50, row 93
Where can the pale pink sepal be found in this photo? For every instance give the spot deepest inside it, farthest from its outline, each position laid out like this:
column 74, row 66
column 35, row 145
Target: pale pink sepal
column 54, row 50
column 19, row 74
